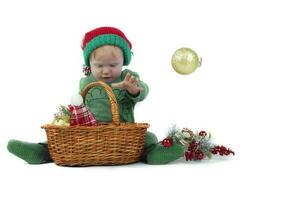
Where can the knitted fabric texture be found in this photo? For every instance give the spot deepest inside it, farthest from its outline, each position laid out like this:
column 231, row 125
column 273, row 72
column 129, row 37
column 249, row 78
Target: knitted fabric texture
column 159, row 154
column 32, row 153
column 105, row 36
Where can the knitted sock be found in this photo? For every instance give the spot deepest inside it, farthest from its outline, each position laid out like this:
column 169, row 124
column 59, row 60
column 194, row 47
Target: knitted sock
column 33, row 153
column 150, row 141
column 159, row 154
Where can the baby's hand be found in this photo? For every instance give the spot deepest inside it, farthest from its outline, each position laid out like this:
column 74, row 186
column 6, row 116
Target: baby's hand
column 130, row 83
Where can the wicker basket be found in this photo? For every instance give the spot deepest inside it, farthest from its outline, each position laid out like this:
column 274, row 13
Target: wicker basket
column 105, row 144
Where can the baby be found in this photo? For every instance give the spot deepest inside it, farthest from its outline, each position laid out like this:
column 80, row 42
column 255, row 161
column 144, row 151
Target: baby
column 106, row 50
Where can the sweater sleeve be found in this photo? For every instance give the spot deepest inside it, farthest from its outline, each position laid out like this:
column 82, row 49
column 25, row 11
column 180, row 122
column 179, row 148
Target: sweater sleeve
column 85, row 81
column 81, row 84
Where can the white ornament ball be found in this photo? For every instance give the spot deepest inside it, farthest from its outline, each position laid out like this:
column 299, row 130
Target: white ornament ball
column 77, row 100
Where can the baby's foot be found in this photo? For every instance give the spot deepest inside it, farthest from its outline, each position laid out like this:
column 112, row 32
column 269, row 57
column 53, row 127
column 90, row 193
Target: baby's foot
column 163, row 155
column 33, row 153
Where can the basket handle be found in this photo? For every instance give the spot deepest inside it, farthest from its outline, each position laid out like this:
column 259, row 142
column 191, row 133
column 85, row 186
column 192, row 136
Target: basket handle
column 112, row 99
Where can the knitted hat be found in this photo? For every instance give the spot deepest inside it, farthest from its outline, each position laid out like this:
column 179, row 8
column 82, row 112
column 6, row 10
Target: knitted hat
column 105, row 36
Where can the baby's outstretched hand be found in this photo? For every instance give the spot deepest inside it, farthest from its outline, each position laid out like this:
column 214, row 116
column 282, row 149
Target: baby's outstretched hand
column 130, row 83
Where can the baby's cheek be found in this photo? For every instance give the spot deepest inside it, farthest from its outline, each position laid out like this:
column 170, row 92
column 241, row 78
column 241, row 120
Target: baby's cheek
column 117, row 73
column 96, row 73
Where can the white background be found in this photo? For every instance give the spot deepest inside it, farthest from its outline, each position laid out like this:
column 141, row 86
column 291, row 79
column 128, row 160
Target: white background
column 246, row 93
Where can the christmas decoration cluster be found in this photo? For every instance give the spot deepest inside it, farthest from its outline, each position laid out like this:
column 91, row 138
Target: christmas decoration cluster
column 75, row 114
column 197, row 145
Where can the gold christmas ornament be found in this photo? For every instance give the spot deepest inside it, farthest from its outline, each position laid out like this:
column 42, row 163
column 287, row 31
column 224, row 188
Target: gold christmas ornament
column 185, row 61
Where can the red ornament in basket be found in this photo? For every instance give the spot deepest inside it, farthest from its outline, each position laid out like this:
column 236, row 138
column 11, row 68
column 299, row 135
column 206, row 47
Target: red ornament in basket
column 80, row 114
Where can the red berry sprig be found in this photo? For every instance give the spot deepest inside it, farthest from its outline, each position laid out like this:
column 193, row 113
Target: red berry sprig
column 221, row 150
column 203, row 133
column 199, row 155
column 86, row 70
column 194, row 152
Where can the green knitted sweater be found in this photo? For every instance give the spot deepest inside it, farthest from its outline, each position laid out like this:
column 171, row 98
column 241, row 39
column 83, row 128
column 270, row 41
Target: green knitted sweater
column 98, row 102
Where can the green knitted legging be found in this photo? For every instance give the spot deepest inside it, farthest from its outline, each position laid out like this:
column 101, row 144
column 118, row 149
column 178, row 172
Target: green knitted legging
column 154, row 152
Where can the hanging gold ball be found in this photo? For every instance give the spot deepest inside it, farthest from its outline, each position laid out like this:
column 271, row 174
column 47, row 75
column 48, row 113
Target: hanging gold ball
column 185, row 61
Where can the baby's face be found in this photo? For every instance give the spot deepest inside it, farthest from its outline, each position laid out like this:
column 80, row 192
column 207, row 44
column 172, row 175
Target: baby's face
column 106, row 63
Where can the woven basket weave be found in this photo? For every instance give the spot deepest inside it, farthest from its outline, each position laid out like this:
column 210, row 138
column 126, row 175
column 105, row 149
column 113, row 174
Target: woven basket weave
column 105, row 144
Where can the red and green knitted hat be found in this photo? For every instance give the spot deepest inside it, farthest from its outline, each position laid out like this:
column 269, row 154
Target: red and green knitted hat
column 105, row 36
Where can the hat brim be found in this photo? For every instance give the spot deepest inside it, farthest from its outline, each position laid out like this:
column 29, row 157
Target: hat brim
column 107, row 39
